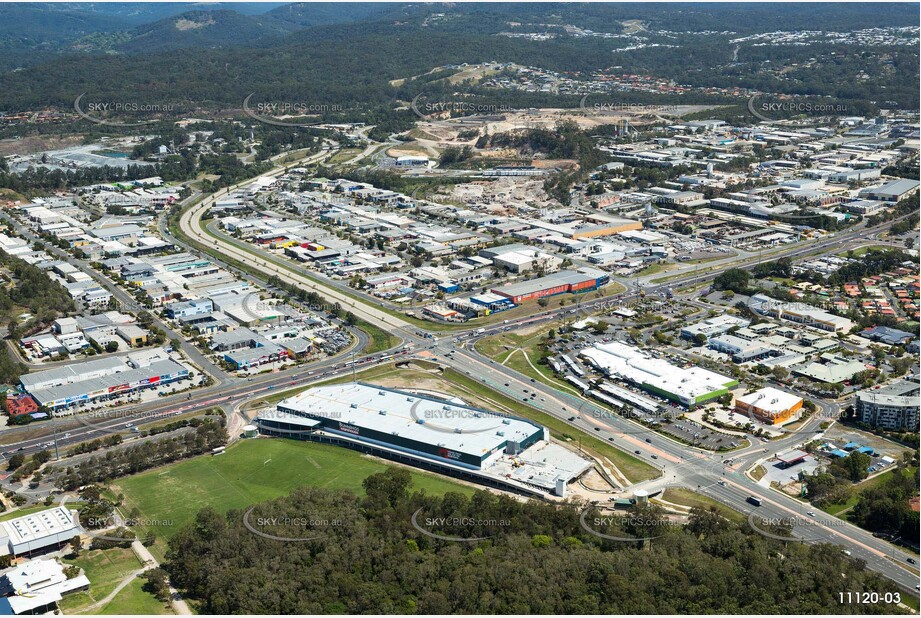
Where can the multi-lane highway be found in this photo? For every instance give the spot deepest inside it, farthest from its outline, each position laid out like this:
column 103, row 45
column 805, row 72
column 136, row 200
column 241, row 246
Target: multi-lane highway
column 679, row 464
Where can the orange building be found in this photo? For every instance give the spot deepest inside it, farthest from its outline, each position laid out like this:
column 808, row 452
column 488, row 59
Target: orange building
column 769, row 405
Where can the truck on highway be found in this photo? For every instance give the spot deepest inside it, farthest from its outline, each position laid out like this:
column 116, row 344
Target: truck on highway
column 480, row 331
column 753, row 500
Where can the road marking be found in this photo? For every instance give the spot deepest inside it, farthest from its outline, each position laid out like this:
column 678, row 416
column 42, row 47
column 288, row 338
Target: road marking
column 872, row 550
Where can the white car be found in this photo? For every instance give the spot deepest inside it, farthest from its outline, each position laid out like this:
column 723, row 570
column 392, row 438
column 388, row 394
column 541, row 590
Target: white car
column 810, row 513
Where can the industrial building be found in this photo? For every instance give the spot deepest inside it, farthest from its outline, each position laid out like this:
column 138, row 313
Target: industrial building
column 412, row 161
column 37, row 531
column 893, row 191
column 769, row 405
column 444, row 435
column 887, row 335
column 584, row 280
column 800, row 313
column 894, row 407
column 714, row 326
column 97, row 380
column 688, row 386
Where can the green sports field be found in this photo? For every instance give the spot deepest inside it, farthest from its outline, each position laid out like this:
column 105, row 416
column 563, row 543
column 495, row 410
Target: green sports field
column 133, row 601
column 248, row 472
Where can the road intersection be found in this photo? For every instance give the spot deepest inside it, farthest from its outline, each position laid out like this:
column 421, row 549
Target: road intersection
column 680, row 465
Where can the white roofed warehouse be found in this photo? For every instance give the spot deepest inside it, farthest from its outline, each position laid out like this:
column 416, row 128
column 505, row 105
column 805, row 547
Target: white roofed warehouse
column 37, row 531
column 688, row 386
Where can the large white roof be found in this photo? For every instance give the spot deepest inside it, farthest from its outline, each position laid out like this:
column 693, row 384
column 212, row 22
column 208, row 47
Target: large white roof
column 629, row 363
column 770, row 399
column 411, row 416
column 42, row 524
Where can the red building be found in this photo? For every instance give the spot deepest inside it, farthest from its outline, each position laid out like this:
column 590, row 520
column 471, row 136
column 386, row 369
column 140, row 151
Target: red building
column 20, row 404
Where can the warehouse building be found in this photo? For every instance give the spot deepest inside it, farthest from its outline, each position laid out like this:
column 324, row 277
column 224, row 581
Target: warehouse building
column 412, row 161
column 443, row 435
column 583, row 280
column 800, row 313
column 893, row 191
column 688, row 386
column 712, row 327
column 894, row 407
column 37, row 531
column 97, row 380
column 769, row 405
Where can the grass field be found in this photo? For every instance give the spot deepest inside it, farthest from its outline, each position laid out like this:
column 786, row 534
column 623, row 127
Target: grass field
column 133, row 601
column 252, row 471
column 344, row 155
column 686, row 497
column 105, row 568
column 911, row 601
column 504, row 348
column 862, row 251
column 655, row 269
column 380, row 339
column 759, row 472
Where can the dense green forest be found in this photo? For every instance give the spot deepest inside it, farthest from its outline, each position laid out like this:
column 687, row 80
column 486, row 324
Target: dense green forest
column 369, row 558
column 351, row 63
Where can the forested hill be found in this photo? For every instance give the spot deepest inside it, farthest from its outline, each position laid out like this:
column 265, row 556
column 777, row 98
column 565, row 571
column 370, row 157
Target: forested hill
column 537, row 559
column 209, row 60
